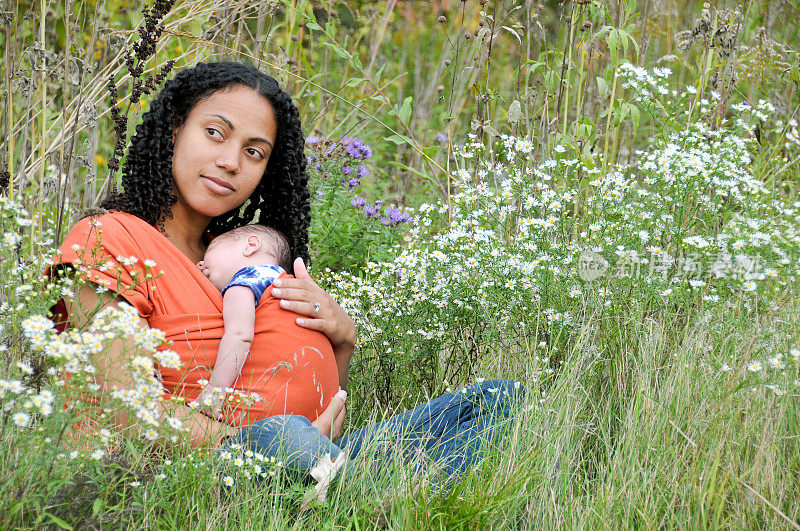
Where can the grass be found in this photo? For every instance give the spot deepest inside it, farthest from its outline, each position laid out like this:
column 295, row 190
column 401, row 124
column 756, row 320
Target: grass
column 648, row 410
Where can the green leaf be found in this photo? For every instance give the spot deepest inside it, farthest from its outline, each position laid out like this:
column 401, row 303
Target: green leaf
column 514, row 33
column 635, row 115
column 338, row 50
column 58, row 521
column 405, row 111
column 613, row 41
column 794, row 73
column 398, row 139
column 313, row 26
column 378, row 74
column 354, row 82
column 602, row 87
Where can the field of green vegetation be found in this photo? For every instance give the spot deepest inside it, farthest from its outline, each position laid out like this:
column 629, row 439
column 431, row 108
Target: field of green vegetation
column 598, row 199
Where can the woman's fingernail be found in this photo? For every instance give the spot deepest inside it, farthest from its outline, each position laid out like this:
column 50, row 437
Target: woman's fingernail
column 341, row 393
column 277, row 282
column 300, row 321
column 276, row 292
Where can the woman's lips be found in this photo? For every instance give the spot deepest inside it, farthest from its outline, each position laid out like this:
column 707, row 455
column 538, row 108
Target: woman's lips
column 218, row 186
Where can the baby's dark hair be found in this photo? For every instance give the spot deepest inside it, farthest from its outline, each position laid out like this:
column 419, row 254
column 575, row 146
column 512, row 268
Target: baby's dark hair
column 273, row 238
column 281, row 198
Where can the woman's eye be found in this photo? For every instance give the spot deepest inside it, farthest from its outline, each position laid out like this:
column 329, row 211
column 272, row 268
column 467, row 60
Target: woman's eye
column 213, row 132
column 255, row 153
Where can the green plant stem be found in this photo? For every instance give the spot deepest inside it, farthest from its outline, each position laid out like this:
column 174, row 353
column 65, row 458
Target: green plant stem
column 607, row 134
column 9, row 107
column 573, row 22
column 43, row 130
column 579, row 103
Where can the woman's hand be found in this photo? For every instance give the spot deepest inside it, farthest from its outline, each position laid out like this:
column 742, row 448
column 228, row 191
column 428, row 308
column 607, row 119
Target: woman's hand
column 331, row 420
column 301, row 295
column 320, row 312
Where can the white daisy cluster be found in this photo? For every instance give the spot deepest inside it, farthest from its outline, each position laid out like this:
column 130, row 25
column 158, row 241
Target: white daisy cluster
column 688, row 221
column 17, row 263
column 705, row 217
column 646, row 84
column 238, row 460
column 73, row 352
column 774, row 371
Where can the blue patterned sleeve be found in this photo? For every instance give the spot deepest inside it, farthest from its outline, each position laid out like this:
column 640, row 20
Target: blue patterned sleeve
column 257, row 278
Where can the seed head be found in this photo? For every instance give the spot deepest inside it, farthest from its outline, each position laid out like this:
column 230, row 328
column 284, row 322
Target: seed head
column 442, row 19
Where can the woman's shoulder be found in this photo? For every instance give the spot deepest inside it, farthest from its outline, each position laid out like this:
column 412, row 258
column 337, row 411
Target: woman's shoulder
column 108, row 232
column 112, row 224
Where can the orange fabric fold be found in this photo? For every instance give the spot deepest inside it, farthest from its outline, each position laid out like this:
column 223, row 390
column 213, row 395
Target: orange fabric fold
column 290, row 369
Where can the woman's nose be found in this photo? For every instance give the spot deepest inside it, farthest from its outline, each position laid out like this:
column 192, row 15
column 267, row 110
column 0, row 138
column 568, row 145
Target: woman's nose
column 228, row 160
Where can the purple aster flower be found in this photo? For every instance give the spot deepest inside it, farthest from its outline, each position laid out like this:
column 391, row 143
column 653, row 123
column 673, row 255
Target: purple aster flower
column 352, row 183
column 366, row 152
column 373, row 211
column 320, row 193
column 441, row 138
column 362, row 171
column 311, row 159
column 358, row 202
column 397, row 216
column 347, row 141
column 312, row 140
column 386, row 221
column 353, row 148
column 347, row 170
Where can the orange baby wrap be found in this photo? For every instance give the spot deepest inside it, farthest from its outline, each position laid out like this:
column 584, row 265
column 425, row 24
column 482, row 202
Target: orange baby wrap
column 290, row 369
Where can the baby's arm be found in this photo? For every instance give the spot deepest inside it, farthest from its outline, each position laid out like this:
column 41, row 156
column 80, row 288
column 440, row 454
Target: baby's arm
column 239, row 316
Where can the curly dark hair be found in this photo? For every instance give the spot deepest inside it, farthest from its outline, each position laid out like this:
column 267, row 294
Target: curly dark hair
column 281, row 198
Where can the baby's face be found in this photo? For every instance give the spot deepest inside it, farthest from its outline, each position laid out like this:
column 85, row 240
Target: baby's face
column 224, row 257
column 227, row 255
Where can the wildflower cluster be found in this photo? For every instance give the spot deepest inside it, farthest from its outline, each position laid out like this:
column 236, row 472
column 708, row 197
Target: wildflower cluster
column 390, row 216
column 236, row 460
column 343, row 159
column 73, row 353
column 341, row 219
column 687, row 223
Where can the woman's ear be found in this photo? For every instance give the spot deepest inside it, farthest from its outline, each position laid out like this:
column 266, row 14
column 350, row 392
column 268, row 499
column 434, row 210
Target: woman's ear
column 252, row 245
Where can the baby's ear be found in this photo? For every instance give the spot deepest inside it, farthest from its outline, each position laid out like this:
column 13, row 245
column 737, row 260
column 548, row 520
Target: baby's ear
column 252, row 245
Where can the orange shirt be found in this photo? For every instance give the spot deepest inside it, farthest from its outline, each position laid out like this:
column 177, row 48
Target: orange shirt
column 292, row 369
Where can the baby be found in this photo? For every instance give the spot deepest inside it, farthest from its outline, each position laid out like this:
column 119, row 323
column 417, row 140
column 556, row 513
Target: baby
column 242, row 264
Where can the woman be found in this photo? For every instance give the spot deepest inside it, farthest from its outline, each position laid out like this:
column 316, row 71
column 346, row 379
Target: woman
column 220, row 147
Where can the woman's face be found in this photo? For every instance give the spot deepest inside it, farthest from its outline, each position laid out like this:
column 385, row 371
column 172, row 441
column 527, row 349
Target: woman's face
column 221, row 152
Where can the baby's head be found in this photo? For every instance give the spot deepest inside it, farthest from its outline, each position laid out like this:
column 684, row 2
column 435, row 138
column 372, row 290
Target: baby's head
column 251, row 245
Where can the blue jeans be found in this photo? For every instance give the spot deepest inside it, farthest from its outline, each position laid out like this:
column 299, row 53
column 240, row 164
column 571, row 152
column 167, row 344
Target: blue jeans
column 288, row 438
column 452, row 431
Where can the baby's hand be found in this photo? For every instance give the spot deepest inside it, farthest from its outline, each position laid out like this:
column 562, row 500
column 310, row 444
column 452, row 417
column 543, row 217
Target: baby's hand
column 210, row 403
column 202, row 266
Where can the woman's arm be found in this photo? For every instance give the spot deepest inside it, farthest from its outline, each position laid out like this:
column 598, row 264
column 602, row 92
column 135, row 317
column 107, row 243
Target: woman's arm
column 299, row 295
column 112, row 372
